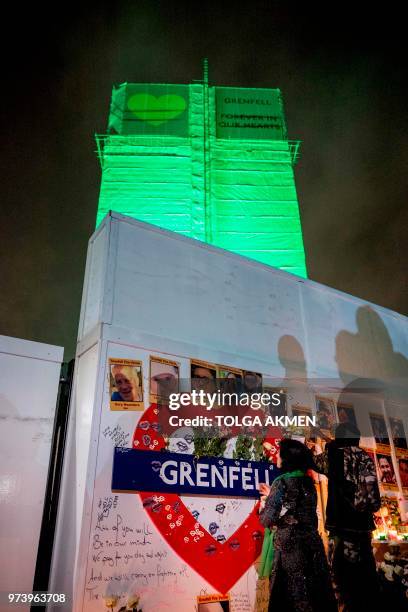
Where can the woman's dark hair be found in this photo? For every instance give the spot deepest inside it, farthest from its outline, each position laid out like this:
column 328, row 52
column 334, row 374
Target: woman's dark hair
column 294, row 456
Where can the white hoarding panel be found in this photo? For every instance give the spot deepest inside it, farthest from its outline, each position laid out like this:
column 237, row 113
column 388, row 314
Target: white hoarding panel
column 29, row 377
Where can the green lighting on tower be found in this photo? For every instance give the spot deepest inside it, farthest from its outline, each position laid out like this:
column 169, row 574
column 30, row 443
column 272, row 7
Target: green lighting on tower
column 212, row 163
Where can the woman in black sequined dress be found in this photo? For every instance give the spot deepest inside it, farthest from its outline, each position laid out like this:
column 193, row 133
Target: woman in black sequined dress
column 300, row 580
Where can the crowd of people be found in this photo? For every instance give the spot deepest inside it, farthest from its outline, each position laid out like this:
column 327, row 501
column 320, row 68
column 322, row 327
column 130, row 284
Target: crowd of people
column 302, row 577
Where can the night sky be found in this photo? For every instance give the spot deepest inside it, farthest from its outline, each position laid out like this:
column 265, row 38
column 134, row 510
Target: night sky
column 344, row 81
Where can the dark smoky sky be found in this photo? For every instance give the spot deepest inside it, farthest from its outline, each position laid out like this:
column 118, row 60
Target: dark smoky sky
column 344, row 81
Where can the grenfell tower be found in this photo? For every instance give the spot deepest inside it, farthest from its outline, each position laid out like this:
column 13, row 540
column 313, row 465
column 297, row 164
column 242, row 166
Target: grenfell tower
column 212, row 163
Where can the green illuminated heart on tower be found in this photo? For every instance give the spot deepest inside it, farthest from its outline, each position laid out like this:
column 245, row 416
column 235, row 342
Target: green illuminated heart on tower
column 156, row 110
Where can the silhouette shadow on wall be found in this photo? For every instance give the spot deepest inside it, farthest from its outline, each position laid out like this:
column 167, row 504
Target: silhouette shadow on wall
column 367, row 364
column 369, row 353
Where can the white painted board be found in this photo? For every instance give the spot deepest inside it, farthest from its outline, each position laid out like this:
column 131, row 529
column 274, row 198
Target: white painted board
column 29, row 377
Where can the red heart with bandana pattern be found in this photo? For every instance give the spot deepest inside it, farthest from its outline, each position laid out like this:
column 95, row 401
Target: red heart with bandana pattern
column 220, row 563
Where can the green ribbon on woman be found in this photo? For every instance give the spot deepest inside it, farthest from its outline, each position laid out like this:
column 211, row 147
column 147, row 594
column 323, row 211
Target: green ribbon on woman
column 268, row 547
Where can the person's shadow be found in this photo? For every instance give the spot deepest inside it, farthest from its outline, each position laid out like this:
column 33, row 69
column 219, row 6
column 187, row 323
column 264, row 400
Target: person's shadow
column 369, row 353
column 292, row 358
column 366, row 362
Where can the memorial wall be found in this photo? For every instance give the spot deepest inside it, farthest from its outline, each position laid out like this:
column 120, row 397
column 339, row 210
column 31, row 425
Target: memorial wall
column 158, row 306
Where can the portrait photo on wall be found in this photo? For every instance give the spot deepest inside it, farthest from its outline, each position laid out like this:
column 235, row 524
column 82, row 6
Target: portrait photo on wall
column 379, row 429
column 398, row 433
column 346, row 414
column 203, row 376
column 402, row 460
column 301, row 411
column 229, row 379
column 164, row 378
column 325, row 413
column 385, row 469
column 213, row 603
column 125, row 384
column 302, row 431
column 281, row 408
column 252, row 382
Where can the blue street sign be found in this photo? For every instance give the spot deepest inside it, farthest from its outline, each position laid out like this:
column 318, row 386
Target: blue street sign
column 137, row 470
